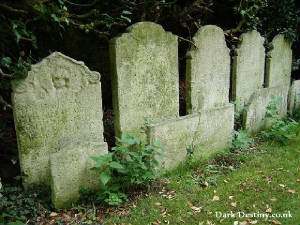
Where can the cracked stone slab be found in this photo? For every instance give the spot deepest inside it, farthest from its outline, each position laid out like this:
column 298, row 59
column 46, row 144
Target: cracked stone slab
column 294, row 97
column 71, row 170
column 207, row 70
column 254, row 114
column 204, row 133
column 59, row 101
column 248, row 67
column 214, row 131
column 279, row 62
column 145, row 80
column 177, row 136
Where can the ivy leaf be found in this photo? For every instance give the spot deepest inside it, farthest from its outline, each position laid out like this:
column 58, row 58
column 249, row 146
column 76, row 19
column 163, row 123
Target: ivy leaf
column 126, row 12
column 104, row 178
column 116, row 165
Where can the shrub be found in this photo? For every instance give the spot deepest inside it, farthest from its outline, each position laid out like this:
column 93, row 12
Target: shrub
column 130, row 164
column 281, row 130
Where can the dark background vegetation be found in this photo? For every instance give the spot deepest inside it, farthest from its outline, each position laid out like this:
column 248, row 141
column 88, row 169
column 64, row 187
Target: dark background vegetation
column 31, row 29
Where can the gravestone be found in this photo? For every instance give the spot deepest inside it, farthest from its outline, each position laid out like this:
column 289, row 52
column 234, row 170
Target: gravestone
column 207, row 70
column 59, row 102
column 214, row 131
column 177, row 135
column 145, row 77
column 279, row 62
column 71, row 170
column 202, row 134
column 248, row 67
column 255, row 113
column 294, row 97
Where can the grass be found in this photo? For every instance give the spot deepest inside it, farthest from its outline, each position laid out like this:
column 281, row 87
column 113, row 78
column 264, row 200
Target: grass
column 267, row 182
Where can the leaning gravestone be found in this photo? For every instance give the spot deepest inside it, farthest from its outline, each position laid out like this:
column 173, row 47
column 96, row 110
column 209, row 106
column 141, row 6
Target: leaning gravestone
column 145, row 88
column 58, row 103
column 201, row 133
column 248, row 67
column 294, row 97
column 279, row 62
column 208, row 70
column 254, row 116
column 71, row 170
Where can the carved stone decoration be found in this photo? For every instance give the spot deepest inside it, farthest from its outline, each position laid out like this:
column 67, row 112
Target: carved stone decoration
column 59, row 102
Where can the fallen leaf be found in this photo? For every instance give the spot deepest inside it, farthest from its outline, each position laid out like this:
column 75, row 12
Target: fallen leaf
column 158, row 203
column 196, row 209
column 189, row 203
column 208, row 222
column 253, row 222
column 282, row 185
column 273, row 199
column 53, row 214
column 200, row 223
column 233, row 204
column 292, row 191
column 243, row 223
column 231, row 197
column 275, row 222
column 216, row 198
column 269, row 210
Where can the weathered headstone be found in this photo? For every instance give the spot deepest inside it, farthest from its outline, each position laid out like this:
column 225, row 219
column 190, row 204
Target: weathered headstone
column 177, row 135
column 248, row 67
column 294, row 97
column 59, row 102
column 208, row 70
column 202, row 133
column 71, row 170
column 214, row 131
column 144, row 77
column 255, row 113
column 279, row 62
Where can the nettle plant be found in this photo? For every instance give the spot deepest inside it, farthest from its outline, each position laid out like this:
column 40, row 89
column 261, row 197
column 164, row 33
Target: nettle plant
column 281, row 129
column 131, row 164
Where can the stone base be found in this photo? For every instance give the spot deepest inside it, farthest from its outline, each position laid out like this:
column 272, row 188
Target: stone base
column 70, row 171
column 204, row 133
column 255, row 112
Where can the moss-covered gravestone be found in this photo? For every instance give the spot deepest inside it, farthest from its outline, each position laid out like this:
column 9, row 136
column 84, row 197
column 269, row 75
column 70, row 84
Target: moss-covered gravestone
column 254, row 116
column 207, row 70
column 201, row 133
column 248, row 67
column 144, row 65
column 59, row 103
column 279, row 62
column 210, row 125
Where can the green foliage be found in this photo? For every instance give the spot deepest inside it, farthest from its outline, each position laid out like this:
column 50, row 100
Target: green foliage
column 130, row 164
column 18, row 205
column 281, row 130
column 240, row 141
column 270, row 17
column 238, row 115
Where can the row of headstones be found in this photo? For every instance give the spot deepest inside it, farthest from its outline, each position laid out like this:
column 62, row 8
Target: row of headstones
column 145, row 87
column 58, row 110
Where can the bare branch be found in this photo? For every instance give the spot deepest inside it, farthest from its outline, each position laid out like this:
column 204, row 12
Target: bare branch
column 13, row 10
column 238, row 27
column 5, row 75
column 181, row 38
column 82, row 5
column 4, row 103
column 84, row 16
